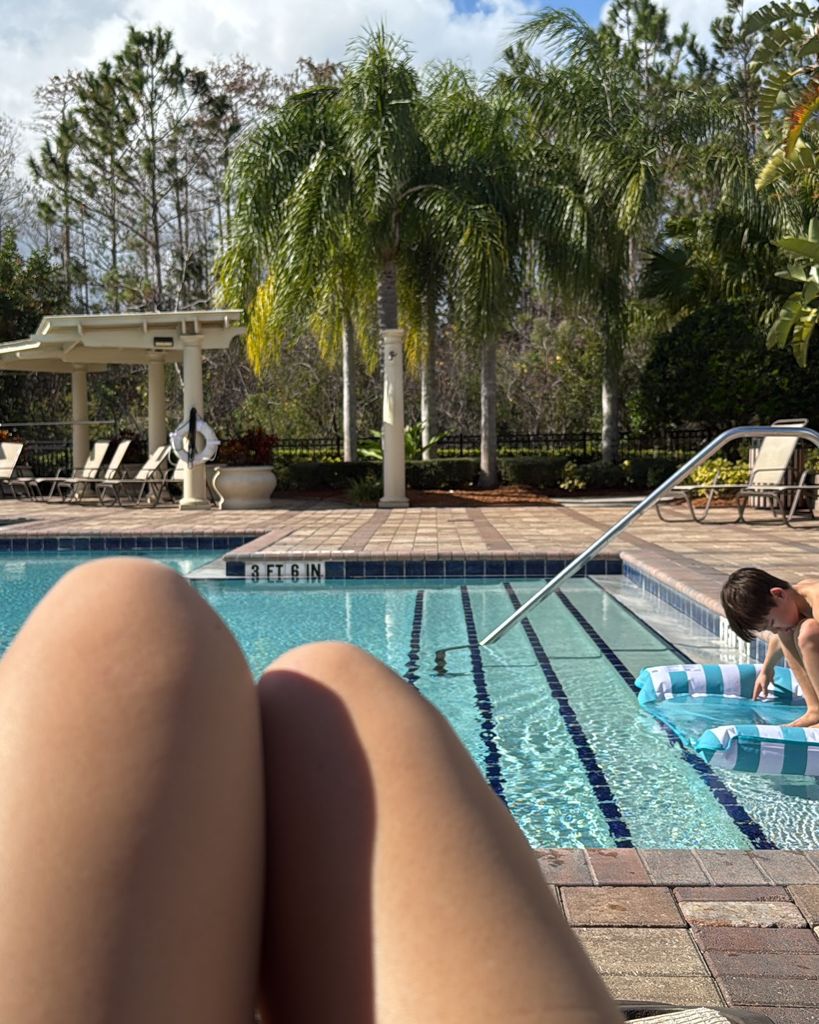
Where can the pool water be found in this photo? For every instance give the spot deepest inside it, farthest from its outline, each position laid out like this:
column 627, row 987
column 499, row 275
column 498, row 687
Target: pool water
column 548, row 713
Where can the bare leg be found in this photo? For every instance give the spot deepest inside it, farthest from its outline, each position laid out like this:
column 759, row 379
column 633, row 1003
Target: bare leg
column 131, row 807
column 399, row 889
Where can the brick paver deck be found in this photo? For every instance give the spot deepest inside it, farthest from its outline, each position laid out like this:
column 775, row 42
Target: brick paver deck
column 680, row 926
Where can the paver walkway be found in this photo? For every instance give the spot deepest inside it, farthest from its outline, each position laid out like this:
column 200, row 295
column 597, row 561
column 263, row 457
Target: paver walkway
column 704, row 928
column 688, row 927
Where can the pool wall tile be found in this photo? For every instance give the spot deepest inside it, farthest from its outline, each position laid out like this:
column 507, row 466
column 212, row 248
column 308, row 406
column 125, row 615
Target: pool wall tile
column 394, row 570
column 374, row 570
column 414, row 569
column 454, row 567
column 334, row 570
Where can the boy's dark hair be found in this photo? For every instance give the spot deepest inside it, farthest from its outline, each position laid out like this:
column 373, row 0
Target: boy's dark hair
column 746, row 598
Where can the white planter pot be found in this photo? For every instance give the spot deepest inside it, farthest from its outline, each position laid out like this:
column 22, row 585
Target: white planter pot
column 244, row 486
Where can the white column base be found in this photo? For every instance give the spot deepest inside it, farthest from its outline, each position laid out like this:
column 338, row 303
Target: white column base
column 393, row 502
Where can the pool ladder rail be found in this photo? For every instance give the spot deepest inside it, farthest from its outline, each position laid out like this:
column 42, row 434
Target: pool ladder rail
column 732, row 434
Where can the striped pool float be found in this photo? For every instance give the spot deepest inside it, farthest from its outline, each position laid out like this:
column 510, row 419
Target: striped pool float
column 763, row 748
column 665, row 682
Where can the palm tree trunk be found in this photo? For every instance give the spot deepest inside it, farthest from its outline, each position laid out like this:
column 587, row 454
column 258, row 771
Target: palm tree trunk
column 488, row 476
column 429, row 395
column 388, row 295
column 611, row 390
column 348, row 347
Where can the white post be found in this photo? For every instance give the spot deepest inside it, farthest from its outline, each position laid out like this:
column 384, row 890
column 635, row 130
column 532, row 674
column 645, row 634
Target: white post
column 157, row 426
column 392, row 427
column 194, row 493
column 79, row 416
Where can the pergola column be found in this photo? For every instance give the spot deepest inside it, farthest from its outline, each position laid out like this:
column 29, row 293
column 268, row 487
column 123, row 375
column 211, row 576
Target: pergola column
column 79, row 416
column 392, row 426
column 157, row 425
column 194, row 488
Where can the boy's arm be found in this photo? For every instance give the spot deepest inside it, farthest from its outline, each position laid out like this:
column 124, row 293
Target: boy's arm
column 773, row 656
column 789, row 645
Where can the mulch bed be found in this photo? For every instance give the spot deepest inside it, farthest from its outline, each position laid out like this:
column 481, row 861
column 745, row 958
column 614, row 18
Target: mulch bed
column 508, row 494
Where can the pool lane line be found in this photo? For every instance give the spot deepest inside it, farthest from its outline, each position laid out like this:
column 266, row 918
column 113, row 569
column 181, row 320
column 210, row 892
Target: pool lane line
column 750, row 828
column 411, row 675
column 612, row 815
column 491, row 757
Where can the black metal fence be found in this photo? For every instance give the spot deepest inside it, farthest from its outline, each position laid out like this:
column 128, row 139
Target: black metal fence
column 45, row 457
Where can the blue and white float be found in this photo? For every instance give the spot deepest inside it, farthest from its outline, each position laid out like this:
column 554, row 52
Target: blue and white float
column 696, row 702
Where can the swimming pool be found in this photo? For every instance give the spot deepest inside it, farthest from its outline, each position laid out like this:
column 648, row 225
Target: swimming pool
column 548, row 713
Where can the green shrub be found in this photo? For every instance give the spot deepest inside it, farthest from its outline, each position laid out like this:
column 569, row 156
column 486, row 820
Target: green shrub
column 312, row 476
column 595, row 476
column 648, row 471
column 364, row 490
column 543, row 472
column 435, row 474
column 729, row 472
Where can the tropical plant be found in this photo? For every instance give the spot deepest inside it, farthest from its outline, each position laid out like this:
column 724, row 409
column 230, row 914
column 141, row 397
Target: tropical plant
column 414, row 444
column 789, row 102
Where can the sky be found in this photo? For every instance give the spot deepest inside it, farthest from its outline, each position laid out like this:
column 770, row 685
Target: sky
column 42, row 38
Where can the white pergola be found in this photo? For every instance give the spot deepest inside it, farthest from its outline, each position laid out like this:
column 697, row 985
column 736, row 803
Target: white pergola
column 90, row 343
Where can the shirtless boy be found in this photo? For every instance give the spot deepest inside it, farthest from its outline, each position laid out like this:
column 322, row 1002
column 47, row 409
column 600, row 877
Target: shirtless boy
column 755, row 602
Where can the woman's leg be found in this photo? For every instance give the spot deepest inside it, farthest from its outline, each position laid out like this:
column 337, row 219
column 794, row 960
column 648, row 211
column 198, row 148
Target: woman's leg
column 399, row 888
column 131, row 807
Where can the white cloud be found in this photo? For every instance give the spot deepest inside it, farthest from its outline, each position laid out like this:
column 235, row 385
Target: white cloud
column 48, row 37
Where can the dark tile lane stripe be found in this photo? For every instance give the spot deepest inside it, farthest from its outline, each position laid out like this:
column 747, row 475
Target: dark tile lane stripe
column 751, row 829
column 483, row 701
column 609, row 808
column 411, row 675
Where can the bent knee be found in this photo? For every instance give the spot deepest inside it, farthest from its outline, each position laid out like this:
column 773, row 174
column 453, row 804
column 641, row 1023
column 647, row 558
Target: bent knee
column 364, row 685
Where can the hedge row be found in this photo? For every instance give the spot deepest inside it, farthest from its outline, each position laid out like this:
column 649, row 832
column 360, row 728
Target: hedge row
column 550, row 472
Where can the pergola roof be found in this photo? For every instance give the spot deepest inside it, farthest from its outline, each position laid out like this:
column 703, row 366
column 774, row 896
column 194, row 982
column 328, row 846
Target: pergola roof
column 93, row 341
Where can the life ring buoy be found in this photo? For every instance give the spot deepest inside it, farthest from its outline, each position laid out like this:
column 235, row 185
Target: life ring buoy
column 179, row 439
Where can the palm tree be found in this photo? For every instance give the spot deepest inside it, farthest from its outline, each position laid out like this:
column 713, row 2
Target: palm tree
column 615, row 111
column 338, row 190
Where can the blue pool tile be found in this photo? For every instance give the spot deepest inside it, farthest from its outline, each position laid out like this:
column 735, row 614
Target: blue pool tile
column 515, row 567
column 354, row 570
column 474, row 567
column 82, row 544
column 434, row 567
column 374, row 570
column 5, row 544
column 127, row 543
column 394, row 570
column 334, row 570
column 554, row 565
column 414, row 570
column 174, row 542
column 234, row 569
column 493, row 567
column 143, row 543
column 454, row 567
column 159, row 543
column 597, row 566
column 113, row 544
column 49, row 543
column 535, row 568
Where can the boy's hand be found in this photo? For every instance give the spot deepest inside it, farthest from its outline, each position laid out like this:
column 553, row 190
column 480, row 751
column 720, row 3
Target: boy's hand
column 761, row 686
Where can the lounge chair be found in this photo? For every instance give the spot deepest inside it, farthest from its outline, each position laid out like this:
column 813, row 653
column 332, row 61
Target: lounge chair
column 10, row 452
column 148, row 482
column 766, row 482
column 41, row 487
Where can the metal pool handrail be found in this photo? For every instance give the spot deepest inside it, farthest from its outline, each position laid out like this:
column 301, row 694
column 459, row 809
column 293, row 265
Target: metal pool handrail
column 804, row 433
